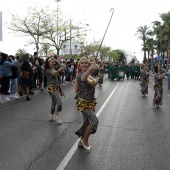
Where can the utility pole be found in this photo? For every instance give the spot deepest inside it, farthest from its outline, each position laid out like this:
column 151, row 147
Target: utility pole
column 57, row 26
column 70, row 39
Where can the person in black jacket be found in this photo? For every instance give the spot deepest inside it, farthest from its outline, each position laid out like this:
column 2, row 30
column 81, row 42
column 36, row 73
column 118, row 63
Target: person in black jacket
column 26, row 79
column 40, row 75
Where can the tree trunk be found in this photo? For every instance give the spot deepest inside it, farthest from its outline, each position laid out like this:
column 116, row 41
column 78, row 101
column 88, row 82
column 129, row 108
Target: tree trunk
column 148, row 57
column 152, row 57
column 144, row 57
column 168, row 59
column 58, row 52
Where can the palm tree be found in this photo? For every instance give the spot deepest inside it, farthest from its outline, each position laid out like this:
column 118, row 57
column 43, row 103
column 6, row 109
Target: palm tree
column 164, row 47
column 151, row 44
column 45, row 48
column 142, row 32
column 157, row 31
column 166, row 29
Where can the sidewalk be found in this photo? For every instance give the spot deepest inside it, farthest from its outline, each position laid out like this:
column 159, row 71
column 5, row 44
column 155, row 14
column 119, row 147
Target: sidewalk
column 21, row 98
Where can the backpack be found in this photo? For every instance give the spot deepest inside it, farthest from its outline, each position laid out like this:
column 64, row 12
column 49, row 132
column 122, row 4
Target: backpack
column 25, row 74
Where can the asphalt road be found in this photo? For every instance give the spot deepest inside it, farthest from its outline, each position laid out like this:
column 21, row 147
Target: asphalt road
column 132, row 135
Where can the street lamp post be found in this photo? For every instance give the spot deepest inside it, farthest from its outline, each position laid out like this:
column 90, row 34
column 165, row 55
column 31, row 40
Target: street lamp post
column 72, row 28
column 70, row 40
column 57, row 22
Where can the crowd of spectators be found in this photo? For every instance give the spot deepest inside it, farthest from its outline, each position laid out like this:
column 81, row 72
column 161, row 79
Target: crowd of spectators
column 23, row 78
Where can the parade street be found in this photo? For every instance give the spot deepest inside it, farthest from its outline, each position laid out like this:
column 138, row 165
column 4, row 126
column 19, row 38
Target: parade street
column 131, row 135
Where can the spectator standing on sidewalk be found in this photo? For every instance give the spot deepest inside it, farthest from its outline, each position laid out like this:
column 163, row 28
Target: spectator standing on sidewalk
column 53, row 87
column 74, row 69
column 70, row 72
column 40, row 75
column 26, row 79
column 31, row 60
column 5, row 71
column 13, row 80
column 35, row 64
column 63, row 73
column 44, row 77
column 18, row 64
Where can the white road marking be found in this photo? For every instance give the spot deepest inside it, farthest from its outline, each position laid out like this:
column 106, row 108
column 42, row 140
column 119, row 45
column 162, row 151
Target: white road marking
column 152, row 82
column 71, row 152
column 107, row 100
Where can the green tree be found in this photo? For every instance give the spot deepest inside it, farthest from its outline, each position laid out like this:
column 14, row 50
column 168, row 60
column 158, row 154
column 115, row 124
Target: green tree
column 149, row 47
column 157, row 31
column 30, row 25
column 166, row 29
column 21, row 52
column 122, row 56
column 91, row 49
column 142, row 34
column 134, row 60
column 45, row 49
column 164, row 47
column 113, row 56
column 104, row 51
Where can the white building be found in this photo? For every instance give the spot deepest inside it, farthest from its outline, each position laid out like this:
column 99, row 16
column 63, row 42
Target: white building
column 76, row 48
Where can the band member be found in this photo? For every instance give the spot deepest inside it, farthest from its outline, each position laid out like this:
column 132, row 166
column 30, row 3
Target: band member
column 137, row 71
column 158, row 87
column 53, row 87
column 127, row 71
column 144, row 78
column 113, row 71
column 86, row 103
column 101, row 75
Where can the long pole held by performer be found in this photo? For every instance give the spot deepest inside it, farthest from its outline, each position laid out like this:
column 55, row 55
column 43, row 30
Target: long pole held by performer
column 104, row 34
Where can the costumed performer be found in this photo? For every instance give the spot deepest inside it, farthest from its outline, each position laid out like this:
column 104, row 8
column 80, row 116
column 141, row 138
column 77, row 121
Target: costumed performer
column 53, row 87
column 158, row 87
column 86, row 103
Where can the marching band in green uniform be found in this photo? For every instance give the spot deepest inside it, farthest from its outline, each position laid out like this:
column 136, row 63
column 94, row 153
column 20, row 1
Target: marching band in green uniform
column 118, row 71
column 140, row 72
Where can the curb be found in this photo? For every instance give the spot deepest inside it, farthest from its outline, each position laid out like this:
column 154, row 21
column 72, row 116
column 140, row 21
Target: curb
column 21, row 98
